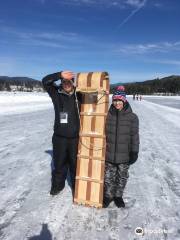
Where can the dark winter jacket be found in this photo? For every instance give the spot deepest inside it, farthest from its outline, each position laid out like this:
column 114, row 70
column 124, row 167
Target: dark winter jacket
column 63, row 102
column 122, row 135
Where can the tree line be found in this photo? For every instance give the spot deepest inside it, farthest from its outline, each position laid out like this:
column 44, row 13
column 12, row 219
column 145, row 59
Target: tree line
column 20, row 84
column 167, row 85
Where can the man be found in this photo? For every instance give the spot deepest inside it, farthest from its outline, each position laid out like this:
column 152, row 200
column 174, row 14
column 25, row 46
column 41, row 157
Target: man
column 66, row 128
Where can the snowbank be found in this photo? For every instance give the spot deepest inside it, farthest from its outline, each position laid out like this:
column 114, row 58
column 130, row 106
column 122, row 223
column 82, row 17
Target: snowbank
column 21, row 102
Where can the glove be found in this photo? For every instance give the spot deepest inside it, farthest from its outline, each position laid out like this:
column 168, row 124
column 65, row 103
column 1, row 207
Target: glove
column 133, row 156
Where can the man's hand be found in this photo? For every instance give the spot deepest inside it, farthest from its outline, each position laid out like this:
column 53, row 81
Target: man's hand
column 67, row 75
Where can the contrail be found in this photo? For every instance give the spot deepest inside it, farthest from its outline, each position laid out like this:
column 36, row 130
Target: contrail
column 132, row 13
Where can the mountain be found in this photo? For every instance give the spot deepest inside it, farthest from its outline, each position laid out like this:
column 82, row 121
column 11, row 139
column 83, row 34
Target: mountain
column 170, row 84
column 19, row 84
column 24, row 79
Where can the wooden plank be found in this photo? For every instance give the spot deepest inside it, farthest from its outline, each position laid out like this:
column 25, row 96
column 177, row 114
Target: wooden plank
column 88, row 179
column 91, row 158
column 87, row 203
column 91, row 135
column 92, row 114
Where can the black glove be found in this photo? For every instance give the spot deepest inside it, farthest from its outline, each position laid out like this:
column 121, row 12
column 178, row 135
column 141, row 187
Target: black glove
column 133, row 156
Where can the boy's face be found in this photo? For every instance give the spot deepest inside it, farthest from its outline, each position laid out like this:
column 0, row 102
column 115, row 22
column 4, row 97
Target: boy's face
column 67, row 86
column 118, row 104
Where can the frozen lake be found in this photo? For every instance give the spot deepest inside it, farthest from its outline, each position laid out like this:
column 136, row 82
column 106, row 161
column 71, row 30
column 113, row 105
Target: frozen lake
column 27, row 211
column 173, row 102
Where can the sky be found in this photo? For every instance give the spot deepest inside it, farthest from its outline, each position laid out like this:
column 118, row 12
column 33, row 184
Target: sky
column 133, row 40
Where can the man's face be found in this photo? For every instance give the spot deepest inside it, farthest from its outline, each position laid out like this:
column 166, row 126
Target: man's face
column 118, row 104
column 67, row 85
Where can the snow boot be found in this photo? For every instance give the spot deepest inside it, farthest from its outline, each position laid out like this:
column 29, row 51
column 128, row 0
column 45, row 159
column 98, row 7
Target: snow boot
column 55, row 189
column 119, row 202
column 106, row 202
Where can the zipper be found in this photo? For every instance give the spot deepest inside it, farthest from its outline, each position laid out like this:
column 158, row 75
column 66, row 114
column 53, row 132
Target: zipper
column 116, row 135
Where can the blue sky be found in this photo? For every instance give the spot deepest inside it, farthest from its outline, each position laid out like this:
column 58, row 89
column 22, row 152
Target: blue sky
column 133, row 40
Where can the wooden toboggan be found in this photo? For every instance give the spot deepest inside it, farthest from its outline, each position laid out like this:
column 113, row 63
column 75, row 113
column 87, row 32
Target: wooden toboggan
column 92, row 141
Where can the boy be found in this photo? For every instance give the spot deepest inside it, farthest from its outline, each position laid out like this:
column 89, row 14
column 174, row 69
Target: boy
column 122, row 139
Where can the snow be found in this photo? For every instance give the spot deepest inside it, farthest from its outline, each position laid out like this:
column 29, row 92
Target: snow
column 162, row 97
column 27, row 211
column 170, row 101
column 22, row 102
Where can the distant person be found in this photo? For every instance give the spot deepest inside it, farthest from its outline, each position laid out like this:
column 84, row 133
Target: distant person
column 66, row 128
column 134, row 97
column 122, row 138
column 140, row 97
column 137, row 97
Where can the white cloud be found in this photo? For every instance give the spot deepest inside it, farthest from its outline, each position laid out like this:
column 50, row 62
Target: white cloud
column 166, row 61
column 72, row 40
column 105, row 3
column 46, row 39
column 40, row 35
column 162, row 47
column 135, row 3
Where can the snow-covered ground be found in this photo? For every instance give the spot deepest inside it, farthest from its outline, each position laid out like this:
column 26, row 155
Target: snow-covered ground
column 27, row 211
column 22, row 102
column 170, row 101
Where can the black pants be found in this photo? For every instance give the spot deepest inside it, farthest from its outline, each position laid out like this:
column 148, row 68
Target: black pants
column 64, row 159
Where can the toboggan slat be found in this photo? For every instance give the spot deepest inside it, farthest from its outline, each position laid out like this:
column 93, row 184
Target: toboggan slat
column 91, row 148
